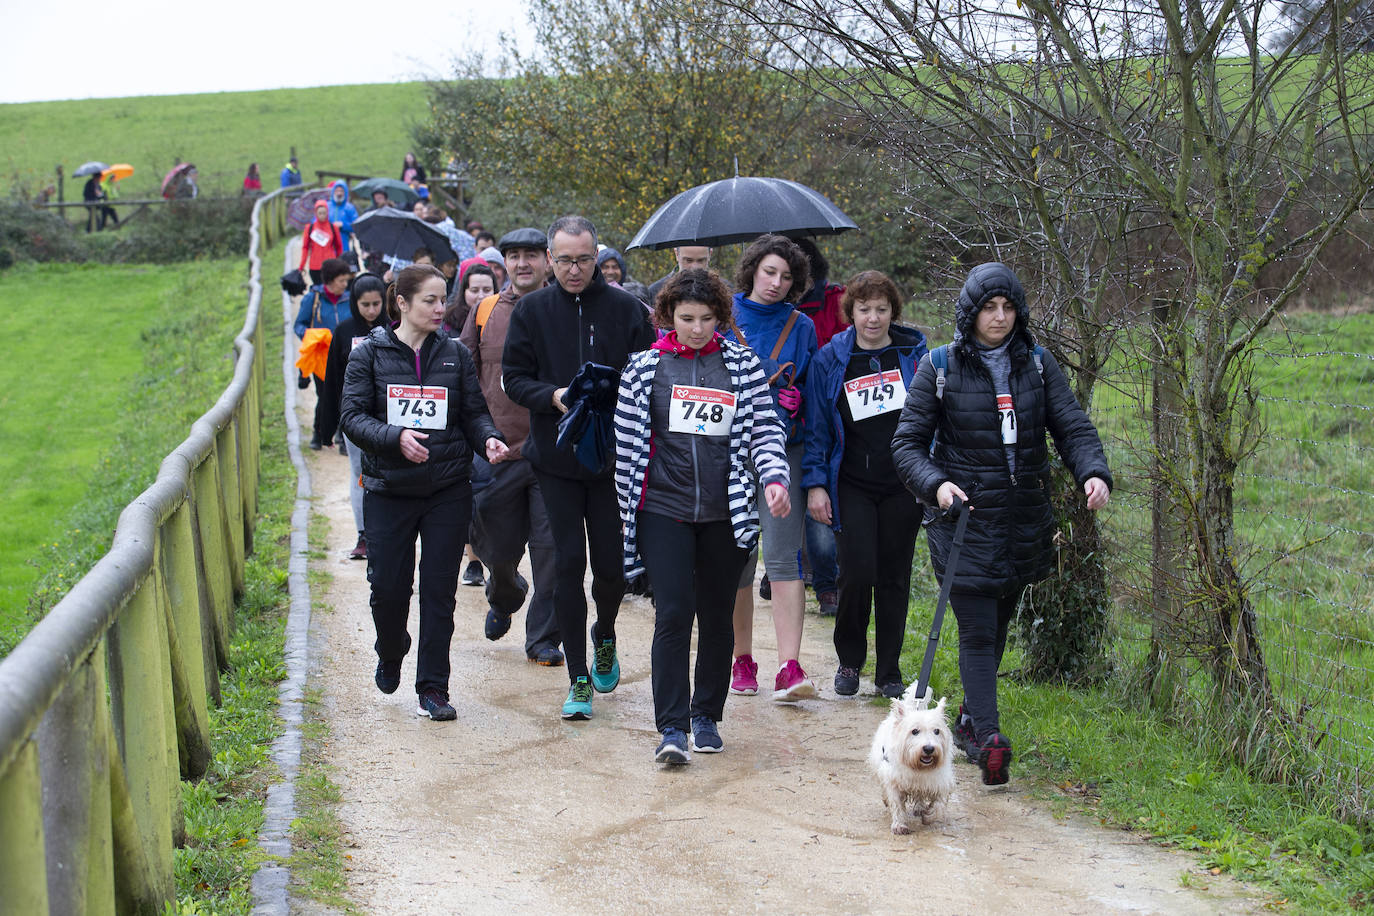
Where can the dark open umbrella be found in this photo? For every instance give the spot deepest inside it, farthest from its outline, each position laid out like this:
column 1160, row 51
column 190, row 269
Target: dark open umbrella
column 739, row 210
column 399, row 233
column 89, row 168
column 399, row 192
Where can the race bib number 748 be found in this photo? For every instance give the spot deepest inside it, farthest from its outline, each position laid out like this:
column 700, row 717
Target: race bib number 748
column 417, row 407
column 700, row 411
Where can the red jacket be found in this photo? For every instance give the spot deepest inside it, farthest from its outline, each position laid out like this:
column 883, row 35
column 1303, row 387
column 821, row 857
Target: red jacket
column 313, row 252
column 825, row 313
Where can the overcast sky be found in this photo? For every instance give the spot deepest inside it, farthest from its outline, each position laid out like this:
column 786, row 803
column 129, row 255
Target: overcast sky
column 155, row 47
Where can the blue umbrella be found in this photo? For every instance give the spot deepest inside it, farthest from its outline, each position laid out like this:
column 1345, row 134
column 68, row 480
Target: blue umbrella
column 740, row 210
column 94, row 167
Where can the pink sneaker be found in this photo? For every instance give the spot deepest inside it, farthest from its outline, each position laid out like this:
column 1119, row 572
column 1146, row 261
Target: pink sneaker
column 744, row 676
column 792, row 683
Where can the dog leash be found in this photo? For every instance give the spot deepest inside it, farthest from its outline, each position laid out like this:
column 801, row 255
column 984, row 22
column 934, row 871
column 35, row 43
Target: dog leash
column 959, row 510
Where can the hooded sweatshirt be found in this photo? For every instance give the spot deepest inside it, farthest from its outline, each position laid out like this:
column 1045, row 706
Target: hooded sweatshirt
column 761, row 325
column 342, row 213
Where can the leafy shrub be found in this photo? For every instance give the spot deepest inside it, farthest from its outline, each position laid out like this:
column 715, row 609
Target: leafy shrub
column 183, row 231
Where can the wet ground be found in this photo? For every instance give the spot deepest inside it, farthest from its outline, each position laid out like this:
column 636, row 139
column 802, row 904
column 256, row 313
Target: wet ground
column 511, row 808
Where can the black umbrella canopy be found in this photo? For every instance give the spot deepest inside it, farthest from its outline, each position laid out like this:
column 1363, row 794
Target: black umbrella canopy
column 739, row 210
column 399, row 233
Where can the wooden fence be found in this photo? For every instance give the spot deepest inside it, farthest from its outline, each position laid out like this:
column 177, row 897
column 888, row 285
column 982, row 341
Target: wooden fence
column 103, row 706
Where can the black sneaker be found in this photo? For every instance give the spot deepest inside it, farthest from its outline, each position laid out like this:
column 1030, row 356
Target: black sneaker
column 498, row 624
column 765, row 588
column 829, row 604
column 994, row 759
column 893, row 690
column 434, row 704
column 388, row 676
column 846, row 681
column 315, row 443
column 359, row 551
column 705, row 736
column 549, row 657
column 474, row 574
column 673, row 748
column 964, row 738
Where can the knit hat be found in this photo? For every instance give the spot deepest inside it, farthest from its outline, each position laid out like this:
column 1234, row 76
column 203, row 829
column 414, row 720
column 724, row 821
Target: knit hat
column 492, row 256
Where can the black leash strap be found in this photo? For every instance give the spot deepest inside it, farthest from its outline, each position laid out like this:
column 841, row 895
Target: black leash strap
column 958, row 509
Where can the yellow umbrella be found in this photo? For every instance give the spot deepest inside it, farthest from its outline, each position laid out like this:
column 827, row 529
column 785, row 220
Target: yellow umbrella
column 314, row 351
column 120, row 171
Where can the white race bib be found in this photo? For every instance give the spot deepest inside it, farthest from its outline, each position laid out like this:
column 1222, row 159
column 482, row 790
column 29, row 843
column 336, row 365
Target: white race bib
column 417, row 407
column 700, row 411
column 876, row 394
column 356, row 342
column 1007, row 413
column 319, row 237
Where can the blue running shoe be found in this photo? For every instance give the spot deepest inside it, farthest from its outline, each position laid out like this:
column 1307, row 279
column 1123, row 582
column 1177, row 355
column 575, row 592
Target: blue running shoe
column 578, row 705
column 605, row 664
column 673, row 748
column 705, row 736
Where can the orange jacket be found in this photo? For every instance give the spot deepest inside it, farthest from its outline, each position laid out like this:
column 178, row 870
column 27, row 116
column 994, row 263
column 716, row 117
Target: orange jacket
column 314, row 253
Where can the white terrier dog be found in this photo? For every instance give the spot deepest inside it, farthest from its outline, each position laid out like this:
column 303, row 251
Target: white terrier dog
column 912, row 754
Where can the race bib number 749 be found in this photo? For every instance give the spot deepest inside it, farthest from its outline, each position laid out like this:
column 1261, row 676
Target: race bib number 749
column 417, row 407
column 872, row 395
column 700, row 411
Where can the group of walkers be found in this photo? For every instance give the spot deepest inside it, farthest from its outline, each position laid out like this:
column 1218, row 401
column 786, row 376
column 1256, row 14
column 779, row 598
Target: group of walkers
column 732, row 423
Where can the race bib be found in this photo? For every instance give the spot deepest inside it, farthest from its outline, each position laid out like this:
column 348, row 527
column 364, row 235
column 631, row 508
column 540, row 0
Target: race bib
column 319, row 237
column 876, row 394
column 700, row 411
column 1007, row 413
column 356, row 341
column 417, row 407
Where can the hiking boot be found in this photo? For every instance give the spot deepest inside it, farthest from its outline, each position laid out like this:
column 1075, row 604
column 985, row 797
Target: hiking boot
column 359, row 551
column 829, row 602
column 994, row 759
column 893, row 690
column 549, row 657
column 705, row 736
column 497, row 625
column 433, row 703
column 846, row 681
column 744, row 676
column 673, row 748
column 605, row 663
column 765, row 588
column 578, row 705
column 475, row 575
column 964, row 738
column 388, row 676
column 792, row 683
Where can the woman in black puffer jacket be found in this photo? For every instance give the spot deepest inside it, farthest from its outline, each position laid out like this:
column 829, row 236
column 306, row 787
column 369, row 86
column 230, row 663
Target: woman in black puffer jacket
column 1001, row 396
column 412, row 404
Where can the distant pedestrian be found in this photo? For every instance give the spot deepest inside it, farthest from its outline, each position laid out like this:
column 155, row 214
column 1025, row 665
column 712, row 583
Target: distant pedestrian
column 412, row 172
column 342, row 213
column 483, row 239
column 476, row 283
column 92, row 195
column 320, row 241
column 252, row 182
column 411, row 402
column 291, row 174
column 497, row 264
column 612, row 264
column 108, row 192
column 694, row 417
column 685, row 257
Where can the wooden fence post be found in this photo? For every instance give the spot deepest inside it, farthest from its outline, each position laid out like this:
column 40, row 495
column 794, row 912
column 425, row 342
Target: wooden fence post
column 23, row 874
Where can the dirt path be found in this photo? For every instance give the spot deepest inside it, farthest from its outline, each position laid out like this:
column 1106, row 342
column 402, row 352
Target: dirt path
column 510, row 807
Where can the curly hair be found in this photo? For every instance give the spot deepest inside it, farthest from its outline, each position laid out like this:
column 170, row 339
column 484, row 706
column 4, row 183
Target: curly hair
column 870, row 284
column 695, row 285
column 784, row 248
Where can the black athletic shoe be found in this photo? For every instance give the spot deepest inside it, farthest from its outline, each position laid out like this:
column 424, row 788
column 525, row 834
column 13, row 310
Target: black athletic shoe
column 315, row 444
column 994, row 759
column 846, row 681
column 829, row 604
column 964, row 739
column 474, row 575
column 549, row 657
column 892, row 689
column 434, row 704
column 498, row 624
column 765, row 588
column 388, row 676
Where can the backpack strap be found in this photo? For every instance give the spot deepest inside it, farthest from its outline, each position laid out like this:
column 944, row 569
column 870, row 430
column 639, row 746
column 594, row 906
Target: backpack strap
column 484, row 309
column 939, row 359
column 782, row 338
column 1038, row 354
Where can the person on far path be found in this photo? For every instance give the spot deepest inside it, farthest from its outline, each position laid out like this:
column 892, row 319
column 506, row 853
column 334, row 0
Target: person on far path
column 320, row 241
column 291, row 174
column 108, row 192
column 1001, row 395
column 324, row 306
column 252, row 182
column 412, row 404
column 854, row 395
column 685, row 257
column 91, row 194
column 342, row 213
column 412, row 172
column 509, row 513
column 553, row 332
column 693, row 416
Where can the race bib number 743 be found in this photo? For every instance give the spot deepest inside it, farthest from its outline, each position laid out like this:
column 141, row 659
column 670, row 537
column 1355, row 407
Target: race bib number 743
column 700, row 411
column 417, row 407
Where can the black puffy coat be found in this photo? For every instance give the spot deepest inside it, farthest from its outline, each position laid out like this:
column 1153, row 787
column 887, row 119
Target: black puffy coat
column 383, row 360
column 1009, row 540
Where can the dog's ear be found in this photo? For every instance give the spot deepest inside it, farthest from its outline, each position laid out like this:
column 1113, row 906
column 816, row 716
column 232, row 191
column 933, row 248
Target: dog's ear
column 940, row 706
column 897, row 707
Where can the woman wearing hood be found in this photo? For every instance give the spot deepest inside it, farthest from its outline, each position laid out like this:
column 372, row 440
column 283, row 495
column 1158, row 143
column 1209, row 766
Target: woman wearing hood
column 365, row 313
column 771, row 271
column 320, row 241
column 987, row 401
column 342, row 213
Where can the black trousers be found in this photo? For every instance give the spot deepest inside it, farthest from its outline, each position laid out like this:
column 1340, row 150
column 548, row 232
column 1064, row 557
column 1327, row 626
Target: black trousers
column 983, row 622
column 508, row 513
column 693, row 567
column 584, row 517
column 393, row 523
column 874, row 545
column 326, row 415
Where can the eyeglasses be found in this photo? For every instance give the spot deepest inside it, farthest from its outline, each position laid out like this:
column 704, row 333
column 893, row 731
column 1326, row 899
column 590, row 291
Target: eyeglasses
column 583, row 262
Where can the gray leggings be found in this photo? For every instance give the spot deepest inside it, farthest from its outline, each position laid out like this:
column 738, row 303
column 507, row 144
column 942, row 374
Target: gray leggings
column 780, row 539
column 355, row 489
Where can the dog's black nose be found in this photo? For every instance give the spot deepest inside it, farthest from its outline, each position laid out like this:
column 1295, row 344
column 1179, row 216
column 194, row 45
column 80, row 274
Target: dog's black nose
column 928, row 749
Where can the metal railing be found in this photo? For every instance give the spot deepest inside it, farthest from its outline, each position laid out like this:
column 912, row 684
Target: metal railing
column 103, row 705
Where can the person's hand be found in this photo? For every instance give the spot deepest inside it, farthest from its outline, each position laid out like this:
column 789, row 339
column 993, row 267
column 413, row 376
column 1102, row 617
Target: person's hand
column 558, row 404
column 818, row 504
column 497, row 450
column 1097, row 491
column 790, row 399
column 778, row 499
column 945, row 495
column 411, row 447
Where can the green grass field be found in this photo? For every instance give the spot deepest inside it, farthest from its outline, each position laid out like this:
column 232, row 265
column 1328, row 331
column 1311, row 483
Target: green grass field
column 91, row 405
column 362, row 129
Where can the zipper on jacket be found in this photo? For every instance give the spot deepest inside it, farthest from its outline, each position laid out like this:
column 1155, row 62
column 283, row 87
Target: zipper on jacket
column 696, row 464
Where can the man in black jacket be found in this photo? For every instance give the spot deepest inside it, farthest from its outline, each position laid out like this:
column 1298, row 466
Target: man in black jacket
column 553, row 332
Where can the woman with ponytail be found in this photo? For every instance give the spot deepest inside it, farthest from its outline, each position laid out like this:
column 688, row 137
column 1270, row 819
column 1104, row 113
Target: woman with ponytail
column 412, row 404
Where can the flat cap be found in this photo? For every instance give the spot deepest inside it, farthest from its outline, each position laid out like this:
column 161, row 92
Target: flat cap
column 523, row 238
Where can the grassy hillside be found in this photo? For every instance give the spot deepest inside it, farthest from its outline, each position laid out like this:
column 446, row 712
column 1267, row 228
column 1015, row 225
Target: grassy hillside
column 363, row 129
